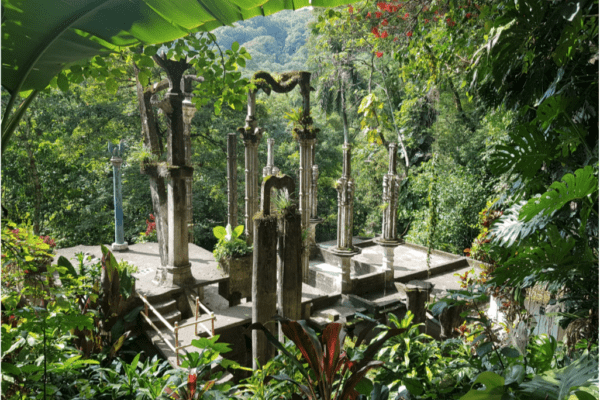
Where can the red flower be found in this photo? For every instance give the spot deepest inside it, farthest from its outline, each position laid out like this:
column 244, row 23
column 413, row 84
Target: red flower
column 379, row 54
column 191, row 384
column 406, row 15
column 375, row 31
column 384, row 35
column 468, row 15
column 426, row 20
column 381, row 5
column 378, row 14
column 395, row 39
column 384, row 22
column 409, row 33
column 369, row 14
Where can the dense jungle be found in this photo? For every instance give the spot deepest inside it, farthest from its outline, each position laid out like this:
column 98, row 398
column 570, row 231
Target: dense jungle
column 494, row 107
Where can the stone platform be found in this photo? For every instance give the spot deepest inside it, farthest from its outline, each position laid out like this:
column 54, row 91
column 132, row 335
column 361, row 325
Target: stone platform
column 320, row 303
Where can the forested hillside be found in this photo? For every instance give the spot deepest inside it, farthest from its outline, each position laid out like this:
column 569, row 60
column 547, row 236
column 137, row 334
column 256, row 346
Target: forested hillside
column 275, row 42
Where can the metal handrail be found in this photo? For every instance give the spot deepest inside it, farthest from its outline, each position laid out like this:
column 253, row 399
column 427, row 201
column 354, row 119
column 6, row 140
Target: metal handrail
column 175, row 329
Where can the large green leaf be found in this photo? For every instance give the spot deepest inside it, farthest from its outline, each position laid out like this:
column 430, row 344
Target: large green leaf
column 526, row 153
column 557, row 384
column 41, row 37
column 571, row 188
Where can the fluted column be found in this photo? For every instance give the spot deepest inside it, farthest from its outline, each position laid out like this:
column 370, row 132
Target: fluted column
column 389, row 240
column 232, row 214
column 116, row 161
column 345, row 250
column 314, row 218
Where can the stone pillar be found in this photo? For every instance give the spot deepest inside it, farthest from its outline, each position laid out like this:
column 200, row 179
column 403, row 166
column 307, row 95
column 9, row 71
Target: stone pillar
column 345, row 188
column 270, row 169
column 189, row 109
column 264, row 286
column 417, row 294
column 289, row 248
column 306, row 144
column 251, row 135
column 389, row 240
column 314, row 219
column 344, row 249
column 232, row 214
column 175, row 171
column 120, row 244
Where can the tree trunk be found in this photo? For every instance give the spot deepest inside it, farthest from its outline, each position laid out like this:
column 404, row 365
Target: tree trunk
column 466, row 120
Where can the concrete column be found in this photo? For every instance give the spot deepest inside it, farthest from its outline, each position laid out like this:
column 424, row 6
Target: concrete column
column 188, row 113
column 175, row 171
column 291, row 265
column 417, row 294
column 270, row 169
column 264, row 286
column 232, row 214
column 314, row 218
column 345, row 188
column 306, row 144
column 116, row 161
column 389, row 240
column 345, row 250
column 251, row 135
column 391, row 185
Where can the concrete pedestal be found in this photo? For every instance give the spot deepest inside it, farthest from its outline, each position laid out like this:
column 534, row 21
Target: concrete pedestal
column 345, row 264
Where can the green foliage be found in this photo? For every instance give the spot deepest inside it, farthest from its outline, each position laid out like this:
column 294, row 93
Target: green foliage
column 426, row 368
column 336, row 374
column 229, row 244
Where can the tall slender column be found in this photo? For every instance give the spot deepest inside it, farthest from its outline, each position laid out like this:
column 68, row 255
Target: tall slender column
column 120, row 244
column 306, row 140
column 251, row 135
column 232, row 214
column 389, row 240
column 314, row 219
column 178, row 270
column 188, row 113
column 345, row 250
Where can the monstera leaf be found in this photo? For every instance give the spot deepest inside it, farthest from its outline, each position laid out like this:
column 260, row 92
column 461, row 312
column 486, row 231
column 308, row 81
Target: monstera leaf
column 558, row 384
column 526, row 154
column 571, row 188
column 510, row 229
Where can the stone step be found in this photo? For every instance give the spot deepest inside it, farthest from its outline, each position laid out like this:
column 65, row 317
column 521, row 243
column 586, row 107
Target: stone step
column 171, row 317
column 165, row 307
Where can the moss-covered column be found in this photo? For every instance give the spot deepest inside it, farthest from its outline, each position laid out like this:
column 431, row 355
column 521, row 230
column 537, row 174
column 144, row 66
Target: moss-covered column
column 264, row 286
column 306, row 140
column 178, row 269
column 251, row 135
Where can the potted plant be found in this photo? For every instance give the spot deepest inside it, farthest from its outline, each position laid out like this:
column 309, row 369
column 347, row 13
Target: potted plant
column 235, row 258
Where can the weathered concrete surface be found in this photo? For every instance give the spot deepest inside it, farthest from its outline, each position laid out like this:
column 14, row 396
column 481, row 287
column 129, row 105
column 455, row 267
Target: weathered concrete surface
column 205, row 269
